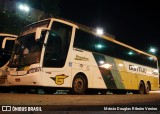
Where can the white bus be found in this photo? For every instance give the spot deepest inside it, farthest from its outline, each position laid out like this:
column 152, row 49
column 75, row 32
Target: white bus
column 60, row 54
column 7, row 43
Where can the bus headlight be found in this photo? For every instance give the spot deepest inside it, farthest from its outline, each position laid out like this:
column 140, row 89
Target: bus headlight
column 32, row 70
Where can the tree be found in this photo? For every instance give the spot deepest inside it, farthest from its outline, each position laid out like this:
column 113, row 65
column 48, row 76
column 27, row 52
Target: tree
column 12, row 23
column 49, row 7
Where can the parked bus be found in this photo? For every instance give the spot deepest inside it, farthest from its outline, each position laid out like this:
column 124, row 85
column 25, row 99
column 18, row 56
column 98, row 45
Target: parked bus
column 7, row 43
column 60, row 54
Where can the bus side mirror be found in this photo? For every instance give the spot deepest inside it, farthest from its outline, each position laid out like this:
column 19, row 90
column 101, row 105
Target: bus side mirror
column 39, row 31
column 5, row 41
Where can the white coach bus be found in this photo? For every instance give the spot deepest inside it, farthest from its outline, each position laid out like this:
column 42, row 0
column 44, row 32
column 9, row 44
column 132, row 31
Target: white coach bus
column 7, row 43
column 60, row 54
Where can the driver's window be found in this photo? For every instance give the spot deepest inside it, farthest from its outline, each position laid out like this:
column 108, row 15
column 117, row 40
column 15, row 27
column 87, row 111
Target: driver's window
column 57, row 45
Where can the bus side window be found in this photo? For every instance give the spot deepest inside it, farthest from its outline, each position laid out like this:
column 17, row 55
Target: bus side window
column 57, row 45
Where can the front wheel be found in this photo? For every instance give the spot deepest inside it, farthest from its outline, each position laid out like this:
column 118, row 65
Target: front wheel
column 79, row 84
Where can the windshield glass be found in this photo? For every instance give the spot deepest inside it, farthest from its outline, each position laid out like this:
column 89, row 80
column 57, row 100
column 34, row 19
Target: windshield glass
column 27, row 50
column 32, row 28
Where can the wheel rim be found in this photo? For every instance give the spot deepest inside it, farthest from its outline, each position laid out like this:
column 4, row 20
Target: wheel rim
column 78, row 84
column 147, row 88
column 141, row 89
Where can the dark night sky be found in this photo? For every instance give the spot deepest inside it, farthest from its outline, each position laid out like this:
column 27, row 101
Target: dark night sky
column 135, row 23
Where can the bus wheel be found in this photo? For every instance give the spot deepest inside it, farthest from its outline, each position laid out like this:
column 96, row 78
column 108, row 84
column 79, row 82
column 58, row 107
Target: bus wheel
column 79, row 84
column 141, row 88
column 147, row 88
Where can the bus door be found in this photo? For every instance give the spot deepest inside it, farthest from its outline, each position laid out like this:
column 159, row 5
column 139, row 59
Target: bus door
column 55, row 63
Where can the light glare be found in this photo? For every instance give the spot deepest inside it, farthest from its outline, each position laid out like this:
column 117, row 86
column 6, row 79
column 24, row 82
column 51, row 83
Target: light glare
column 24, row 7
column 99, row 46
column 107, row 66
column 99, row 31
column 130, row 53
column 101, row 62
column 121, row 65
column 153, row 50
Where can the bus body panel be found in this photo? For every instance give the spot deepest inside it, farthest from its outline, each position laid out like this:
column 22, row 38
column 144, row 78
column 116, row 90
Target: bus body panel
column 101, row 70
column 32, row 79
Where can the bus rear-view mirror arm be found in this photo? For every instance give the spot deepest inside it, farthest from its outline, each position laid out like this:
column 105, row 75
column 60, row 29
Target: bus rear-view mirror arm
column 39, row 31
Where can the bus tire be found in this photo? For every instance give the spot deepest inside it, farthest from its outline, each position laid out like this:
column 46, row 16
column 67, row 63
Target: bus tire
column 147, row 89
column 79, row 84
column 141, row 89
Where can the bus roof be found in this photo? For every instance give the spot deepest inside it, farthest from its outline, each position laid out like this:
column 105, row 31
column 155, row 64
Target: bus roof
column 8, row 35
column 106, row 36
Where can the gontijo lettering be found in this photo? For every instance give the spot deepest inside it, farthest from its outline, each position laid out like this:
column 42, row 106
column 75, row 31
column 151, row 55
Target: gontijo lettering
column 137, row 68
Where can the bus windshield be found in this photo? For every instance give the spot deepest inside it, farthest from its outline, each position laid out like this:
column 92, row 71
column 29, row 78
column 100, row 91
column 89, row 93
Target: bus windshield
column 27, row 50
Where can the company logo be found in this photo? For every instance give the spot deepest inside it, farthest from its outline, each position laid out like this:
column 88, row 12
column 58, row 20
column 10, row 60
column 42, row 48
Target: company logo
column 137, row 68
column 6, row 108
column 21, row 108
column 81, row 58
column 59, row 79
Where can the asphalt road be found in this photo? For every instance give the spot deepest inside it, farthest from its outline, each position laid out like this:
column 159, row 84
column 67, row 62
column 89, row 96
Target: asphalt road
column 81, row 102
column 42, row 99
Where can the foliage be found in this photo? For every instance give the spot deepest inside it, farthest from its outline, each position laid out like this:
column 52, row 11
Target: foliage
column 50, row 7
column 12, row 23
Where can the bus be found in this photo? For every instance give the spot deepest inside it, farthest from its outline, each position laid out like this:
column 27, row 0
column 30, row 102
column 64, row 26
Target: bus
column 55, row 54
column 7, row 43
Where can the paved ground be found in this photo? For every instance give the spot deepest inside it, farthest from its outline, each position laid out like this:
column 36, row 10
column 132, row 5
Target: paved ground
column 81, row 102
column 41, row 99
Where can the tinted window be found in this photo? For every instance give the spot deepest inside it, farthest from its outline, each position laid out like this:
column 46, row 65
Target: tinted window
column 89, row 42
column 57, row 45
column 5, row 54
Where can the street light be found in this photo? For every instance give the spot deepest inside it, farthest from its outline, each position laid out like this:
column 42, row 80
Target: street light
column 24, row 7
column 152, row 50
column 99, row 31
